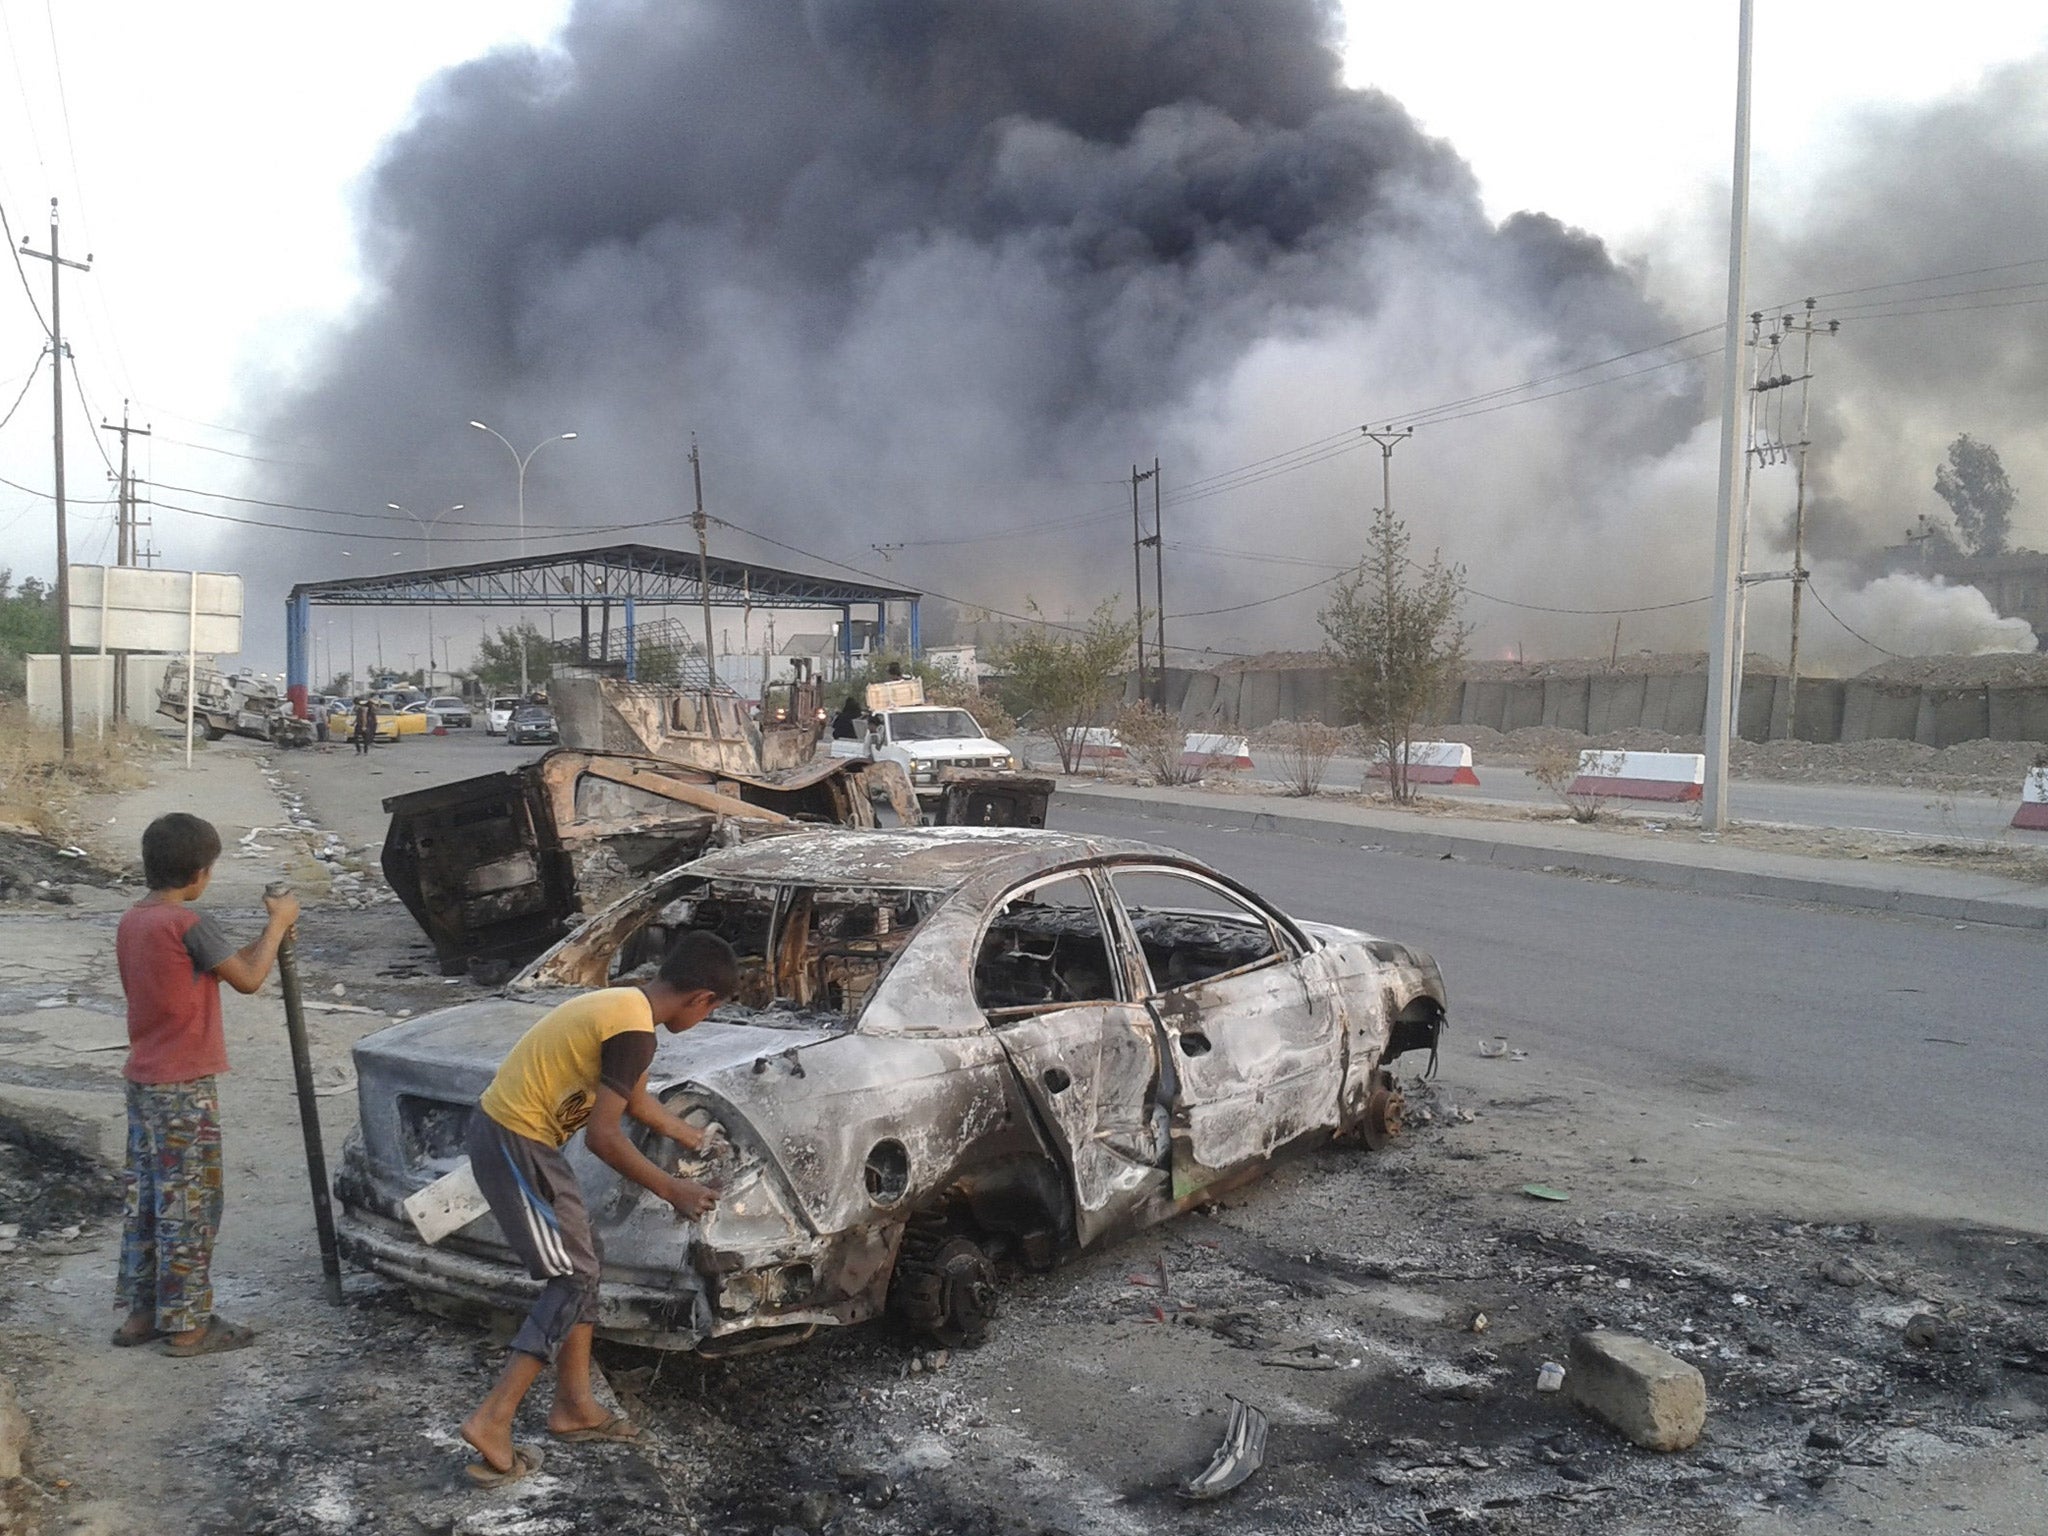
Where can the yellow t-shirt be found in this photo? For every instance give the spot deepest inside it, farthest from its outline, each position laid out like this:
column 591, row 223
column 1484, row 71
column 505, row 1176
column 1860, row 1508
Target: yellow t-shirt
column 547, row 1087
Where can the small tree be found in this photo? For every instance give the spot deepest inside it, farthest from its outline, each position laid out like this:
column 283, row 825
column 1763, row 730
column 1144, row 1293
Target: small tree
column 497, row 657
column 1303, row 749
column 656, row 663
column 1155, row 741
column 1396, row 642
column 1060, row 680
column 1978, row 494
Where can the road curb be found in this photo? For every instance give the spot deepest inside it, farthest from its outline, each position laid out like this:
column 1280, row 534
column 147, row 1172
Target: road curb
column 1657, row 872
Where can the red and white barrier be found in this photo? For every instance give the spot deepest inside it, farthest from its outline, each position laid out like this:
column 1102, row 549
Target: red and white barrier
column 1099, row 745
column 2033, row 811
column 1640, row 775
column 1208, row 750
column 1432, row 762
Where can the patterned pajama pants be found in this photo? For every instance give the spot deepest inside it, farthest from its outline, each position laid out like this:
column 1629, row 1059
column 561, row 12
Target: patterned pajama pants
column 171, row 1195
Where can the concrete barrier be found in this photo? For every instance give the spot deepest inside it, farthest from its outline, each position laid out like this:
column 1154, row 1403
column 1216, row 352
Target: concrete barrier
column 1208, row 750
column 1432, row 762
column 2033, row 812
column 1640, row 775
column 1099, row 745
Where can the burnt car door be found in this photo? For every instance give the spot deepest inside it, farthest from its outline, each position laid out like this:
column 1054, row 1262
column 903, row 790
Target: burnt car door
column 1254, row 1035
column 1057, row 988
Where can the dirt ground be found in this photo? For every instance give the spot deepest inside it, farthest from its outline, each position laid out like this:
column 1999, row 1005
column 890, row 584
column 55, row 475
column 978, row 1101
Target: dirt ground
column 1340, row 1296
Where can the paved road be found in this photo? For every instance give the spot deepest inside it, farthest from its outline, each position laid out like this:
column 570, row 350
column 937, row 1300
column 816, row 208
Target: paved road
column 1806, row 1017
column 1873, row 808
column 1799, row 1017
column 1863, row 807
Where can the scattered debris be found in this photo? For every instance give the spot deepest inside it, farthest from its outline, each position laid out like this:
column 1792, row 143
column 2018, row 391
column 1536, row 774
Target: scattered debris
column 1242, row 1453
column 1544, row 1192
column 1550, row 1377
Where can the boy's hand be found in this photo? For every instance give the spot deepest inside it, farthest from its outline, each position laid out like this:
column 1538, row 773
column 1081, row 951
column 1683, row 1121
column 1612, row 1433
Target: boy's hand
column 284, row 909
column 690, row 1199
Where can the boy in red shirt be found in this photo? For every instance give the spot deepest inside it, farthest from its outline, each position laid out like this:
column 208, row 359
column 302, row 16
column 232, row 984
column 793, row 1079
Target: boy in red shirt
column 173, row 961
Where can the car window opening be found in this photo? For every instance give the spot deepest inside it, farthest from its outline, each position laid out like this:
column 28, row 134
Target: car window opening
column 932, row 725
column 807, row 956
column 1045, row 949
column 1191, row 931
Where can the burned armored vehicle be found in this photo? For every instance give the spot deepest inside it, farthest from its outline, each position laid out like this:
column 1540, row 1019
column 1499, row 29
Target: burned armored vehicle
column 954, row 1047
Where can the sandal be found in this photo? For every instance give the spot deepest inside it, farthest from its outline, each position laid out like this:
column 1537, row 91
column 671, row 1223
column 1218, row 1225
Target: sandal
column 216, row 1337
column 615, row 1429
column 526, row 1460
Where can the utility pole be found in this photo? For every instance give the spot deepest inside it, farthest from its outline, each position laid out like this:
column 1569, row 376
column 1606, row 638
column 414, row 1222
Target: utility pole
column 126, row 542
column 702, row 524
column 1159, row 581
column 1727, row 569
column 1389, row 438
column 57, row 264
column 1138, row 564
column 1807, row 328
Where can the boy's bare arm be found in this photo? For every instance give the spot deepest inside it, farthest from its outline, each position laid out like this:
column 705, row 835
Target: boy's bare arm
column 652, row 1113
column 247, row 967
column 606, row 1137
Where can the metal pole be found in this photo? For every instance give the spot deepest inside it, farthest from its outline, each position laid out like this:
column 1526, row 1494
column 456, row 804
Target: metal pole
column 57, row 418
column 1799, row 524
column 1720, row 656
column 701, row 523
column 1751, row 412
column 1159, row 581
column 1138, row 575
column 191, row 658
column 309, row 1105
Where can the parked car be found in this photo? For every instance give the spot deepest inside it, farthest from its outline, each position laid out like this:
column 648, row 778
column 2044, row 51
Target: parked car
column 451, row 712
column 409, row 721
column 952, row 1047
column 498, row 713
column 530, row 725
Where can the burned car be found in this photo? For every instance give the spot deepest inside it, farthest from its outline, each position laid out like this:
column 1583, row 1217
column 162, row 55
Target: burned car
column 953, row 1047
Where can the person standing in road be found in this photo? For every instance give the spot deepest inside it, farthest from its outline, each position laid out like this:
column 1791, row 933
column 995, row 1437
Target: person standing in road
column 172, row 961
column 366, row 724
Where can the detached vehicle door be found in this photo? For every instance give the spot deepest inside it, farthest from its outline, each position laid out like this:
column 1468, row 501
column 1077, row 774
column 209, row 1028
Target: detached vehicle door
column 1254, row 1033
column 1060, row 992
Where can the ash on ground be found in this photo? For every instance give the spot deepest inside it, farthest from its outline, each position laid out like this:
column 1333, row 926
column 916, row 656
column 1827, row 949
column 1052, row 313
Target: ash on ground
column 1342, row 1296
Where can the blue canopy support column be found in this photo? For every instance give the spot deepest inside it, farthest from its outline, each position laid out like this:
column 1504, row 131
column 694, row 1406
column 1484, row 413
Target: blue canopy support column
column 846, row 639
column 632, row 647
column 298, row 647
column 916, row 646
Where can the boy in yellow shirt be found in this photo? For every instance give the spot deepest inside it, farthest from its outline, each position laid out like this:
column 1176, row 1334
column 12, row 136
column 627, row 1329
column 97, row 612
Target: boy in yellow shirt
column 582, row 1067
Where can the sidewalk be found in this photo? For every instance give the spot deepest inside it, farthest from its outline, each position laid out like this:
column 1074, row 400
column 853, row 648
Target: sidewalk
column 1682, row 858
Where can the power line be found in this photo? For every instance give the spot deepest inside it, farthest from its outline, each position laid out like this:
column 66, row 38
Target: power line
column 25, row 383
column 14, row 250
column 1824, row 608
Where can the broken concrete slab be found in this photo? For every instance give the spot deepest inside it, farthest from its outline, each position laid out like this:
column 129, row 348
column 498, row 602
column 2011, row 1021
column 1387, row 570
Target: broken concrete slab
column 1650, row 1395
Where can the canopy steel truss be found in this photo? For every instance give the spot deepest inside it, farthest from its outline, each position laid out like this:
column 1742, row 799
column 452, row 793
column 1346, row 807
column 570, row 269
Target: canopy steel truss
column 627, row 574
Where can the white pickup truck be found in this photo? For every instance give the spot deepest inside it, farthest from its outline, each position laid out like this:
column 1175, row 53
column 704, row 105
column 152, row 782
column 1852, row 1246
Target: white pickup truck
column 925, row 739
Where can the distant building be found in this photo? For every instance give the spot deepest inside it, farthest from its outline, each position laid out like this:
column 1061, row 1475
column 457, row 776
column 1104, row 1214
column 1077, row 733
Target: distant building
column 2015, row 584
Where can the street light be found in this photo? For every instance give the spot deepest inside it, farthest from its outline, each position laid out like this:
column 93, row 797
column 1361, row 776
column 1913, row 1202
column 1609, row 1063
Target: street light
column 522, row 462
column 426, row 526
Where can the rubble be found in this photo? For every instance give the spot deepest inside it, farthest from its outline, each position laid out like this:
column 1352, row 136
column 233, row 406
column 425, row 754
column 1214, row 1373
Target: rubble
column 1242, row 1453
column 1650, row 1395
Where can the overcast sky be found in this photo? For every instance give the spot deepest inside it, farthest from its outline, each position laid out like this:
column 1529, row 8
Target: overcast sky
column 207, row 156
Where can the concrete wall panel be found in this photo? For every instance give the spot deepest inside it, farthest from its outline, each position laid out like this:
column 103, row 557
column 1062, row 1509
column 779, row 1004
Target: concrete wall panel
column 1564, row 703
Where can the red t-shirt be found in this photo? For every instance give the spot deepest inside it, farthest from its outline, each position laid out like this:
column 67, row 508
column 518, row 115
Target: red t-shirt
column 167, row 953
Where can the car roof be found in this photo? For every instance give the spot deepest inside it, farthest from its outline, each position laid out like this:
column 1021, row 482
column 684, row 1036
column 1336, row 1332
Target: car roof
column 930, row 858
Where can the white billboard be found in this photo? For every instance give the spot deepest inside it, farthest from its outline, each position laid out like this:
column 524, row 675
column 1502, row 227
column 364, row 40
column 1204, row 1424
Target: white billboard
column 127, row 608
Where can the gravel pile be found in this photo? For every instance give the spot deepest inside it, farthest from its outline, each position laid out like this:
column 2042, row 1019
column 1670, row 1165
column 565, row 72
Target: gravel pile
column 2007, row 669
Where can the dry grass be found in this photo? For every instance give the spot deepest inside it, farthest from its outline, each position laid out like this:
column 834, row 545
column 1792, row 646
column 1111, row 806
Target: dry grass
column 42, row 793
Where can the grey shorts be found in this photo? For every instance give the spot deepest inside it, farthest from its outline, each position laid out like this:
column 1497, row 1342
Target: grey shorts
column 539, row 1208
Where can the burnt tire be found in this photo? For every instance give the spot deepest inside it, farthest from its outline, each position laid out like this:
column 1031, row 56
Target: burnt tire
column 944, row 1289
